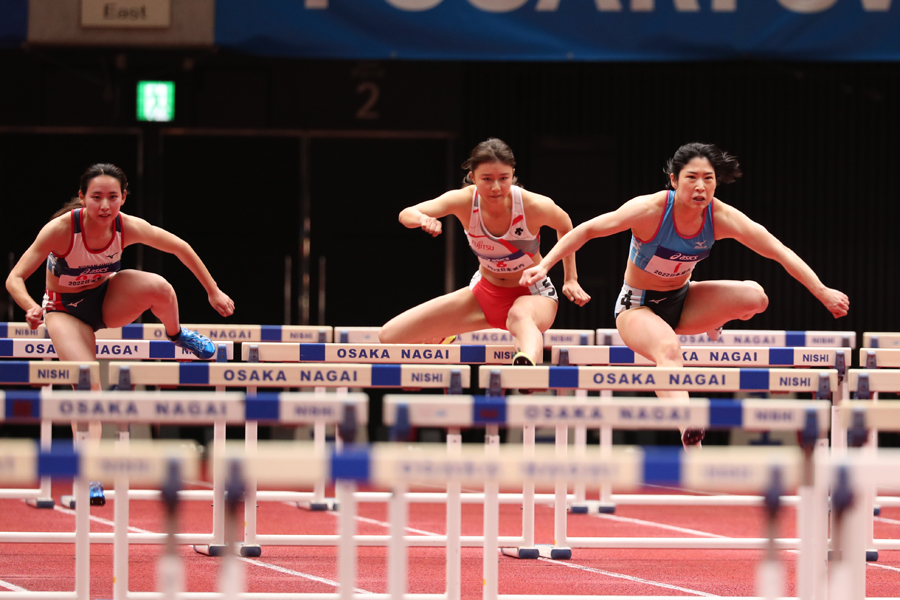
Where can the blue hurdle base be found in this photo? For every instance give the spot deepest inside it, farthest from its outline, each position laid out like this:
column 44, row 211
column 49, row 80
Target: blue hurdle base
column 211, row 549
column 871, row 555
column 251, row 550
column 595, row 506
column 327, row 504
column 41, row 502
column 523, row 552
column 876, row 510
column 555, row 552
column 67, row 501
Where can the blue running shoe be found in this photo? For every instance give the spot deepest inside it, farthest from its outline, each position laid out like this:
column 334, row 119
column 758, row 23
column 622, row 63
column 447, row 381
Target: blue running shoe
column 200, row 345
column 98, row 498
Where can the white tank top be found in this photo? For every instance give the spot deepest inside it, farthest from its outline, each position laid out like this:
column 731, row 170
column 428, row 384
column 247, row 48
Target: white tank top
column 514, row 250
column 81, row 266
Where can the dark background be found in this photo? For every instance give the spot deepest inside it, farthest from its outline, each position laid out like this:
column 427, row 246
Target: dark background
column 262, row 150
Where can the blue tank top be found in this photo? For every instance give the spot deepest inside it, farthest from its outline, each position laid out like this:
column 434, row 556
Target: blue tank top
column 668, row 254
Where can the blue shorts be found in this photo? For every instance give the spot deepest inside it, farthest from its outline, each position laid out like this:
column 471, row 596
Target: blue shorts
column 668, row 305
column 84, row 305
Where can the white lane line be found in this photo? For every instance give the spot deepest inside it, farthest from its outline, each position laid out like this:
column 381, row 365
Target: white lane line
column 659, row 525
column 12, row 587
column 251, row 561
column 627, row 577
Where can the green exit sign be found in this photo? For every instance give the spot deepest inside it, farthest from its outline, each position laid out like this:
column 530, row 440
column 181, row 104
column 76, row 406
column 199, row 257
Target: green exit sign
column 156, row 101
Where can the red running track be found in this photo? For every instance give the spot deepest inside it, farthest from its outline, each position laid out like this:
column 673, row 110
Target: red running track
column 705, row 573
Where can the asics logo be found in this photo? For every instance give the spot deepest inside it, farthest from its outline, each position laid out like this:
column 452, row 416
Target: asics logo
column 656, row 301
column 76, row 303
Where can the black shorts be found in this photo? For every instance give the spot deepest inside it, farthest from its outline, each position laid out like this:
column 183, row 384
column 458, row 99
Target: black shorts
column 84, row 305
column 668, row 305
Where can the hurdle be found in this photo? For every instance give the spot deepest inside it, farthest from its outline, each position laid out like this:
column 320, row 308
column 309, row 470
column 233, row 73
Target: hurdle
column 810, row 418
column 751, row 337
column 287, row 375
column 881, row 339
column 114, row 349
column 216, row 333
column 758, row 469
column 22, row 461
column 701, row 356
column 35, row 373
column 571, row 337
column 351, row 352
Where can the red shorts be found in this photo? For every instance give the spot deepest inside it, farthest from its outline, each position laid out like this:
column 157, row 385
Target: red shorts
column 495, row 301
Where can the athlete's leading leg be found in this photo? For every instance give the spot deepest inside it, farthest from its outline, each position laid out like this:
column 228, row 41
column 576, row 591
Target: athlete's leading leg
column 711, row 304
column 646, row 333
column 456, row 312
column 528, row 319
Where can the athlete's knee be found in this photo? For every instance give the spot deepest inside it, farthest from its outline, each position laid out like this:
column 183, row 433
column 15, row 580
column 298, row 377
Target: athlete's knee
column 388, row 333
column 669, row 352
column 755, row 298
column 518, row 315
column 159, row 290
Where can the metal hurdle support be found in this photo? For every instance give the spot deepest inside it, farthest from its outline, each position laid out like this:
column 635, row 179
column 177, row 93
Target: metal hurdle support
column 23, row 461
column 17, row 404
column 881, row 339
column 700, row 356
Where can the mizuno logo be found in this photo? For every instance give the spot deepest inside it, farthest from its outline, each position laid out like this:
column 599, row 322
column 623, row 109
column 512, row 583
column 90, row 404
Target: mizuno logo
column 701, row 245
column 656, row 301
column 113, row 255
column 76, row 303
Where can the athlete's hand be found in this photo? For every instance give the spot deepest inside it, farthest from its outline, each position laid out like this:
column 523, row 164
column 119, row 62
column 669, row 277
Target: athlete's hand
column 572, row 290
column 34, row 316
column 532, row 275
column 222, row 303
column 836, row 302
column 430, row 225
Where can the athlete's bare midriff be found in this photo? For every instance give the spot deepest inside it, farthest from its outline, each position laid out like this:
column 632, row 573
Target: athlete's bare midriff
column 642, row 280
column 507, row 279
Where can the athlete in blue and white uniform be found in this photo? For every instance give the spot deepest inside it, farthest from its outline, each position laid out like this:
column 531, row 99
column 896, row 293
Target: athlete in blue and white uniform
column 502, row 223
column 672, row 230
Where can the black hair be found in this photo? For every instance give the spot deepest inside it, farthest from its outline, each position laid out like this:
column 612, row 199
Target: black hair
column 490, row 150
column 725, row 165
column 92, row 172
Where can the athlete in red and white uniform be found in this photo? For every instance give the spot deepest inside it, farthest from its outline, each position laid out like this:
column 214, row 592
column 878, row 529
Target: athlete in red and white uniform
column 502, row 223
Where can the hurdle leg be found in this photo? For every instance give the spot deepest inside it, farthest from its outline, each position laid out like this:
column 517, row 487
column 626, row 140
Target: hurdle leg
column 82, row 538
column 559, row 550
column 344, row 490
column 528, row 548
column 812, row 527
column 490, row 544
column 397, row 562
column 454, row 523
column 120, row 520
column 250, row 547
column 44, row 497
column 218, row 526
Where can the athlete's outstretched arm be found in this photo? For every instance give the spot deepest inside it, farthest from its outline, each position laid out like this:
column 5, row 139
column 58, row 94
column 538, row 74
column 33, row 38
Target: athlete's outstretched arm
column 426, row 214
column 625, row 217
column 552, row 215
column 53, row 236
column 139, row 231
column 732, row 223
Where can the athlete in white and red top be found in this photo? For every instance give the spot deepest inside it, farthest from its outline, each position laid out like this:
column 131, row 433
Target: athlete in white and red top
column 85, row 291
column 502, row 223
column 671, row 231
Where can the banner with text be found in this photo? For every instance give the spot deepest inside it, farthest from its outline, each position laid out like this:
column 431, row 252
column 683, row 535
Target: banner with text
column 581, row 30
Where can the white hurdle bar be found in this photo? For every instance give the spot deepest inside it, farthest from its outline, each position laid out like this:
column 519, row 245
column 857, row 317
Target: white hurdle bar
column 216, row 333
column 571, row 337
column 112, row 350
column 881, row 339
column 39, row 374
column 22, row 461
column 704, row 356
column 751, row 337
column 433, row 354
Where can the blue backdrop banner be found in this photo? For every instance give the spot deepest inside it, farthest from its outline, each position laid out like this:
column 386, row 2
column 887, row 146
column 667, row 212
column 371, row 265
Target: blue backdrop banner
column 581, row 30
column 13, row 23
